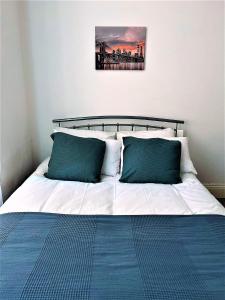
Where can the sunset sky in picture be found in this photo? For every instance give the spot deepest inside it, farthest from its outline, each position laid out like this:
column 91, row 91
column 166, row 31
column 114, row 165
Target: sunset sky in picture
column 121, row 37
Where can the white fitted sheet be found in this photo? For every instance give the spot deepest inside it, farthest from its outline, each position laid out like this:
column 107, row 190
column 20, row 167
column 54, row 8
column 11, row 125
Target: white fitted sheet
column 110, row 197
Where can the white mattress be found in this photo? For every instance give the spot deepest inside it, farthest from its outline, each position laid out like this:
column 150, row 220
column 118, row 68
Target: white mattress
column 110, row 197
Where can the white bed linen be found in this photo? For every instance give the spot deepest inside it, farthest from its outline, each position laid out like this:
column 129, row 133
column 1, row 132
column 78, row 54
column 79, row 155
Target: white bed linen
column 110, row 197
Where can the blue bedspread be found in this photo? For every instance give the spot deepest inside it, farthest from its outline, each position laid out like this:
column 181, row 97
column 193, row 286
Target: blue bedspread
column 51, row 256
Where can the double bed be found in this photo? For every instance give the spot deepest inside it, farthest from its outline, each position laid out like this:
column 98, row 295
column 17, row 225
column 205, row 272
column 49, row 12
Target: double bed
column 112, row 240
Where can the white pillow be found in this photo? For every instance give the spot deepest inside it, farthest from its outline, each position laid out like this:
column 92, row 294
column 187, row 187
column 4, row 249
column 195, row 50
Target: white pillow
column 145, row 134
column 111, row 163
column 42, row 168
column 102, row 135
column 186, row 164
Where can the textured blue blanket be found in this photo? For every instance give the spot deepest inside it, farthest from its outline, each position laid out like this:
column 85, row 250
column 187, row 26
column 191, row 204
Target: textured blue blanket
column 51, row 256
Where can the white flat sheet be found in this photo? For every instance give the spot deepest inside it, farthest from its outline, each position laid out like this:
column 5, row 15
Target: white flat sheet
column 110, row 197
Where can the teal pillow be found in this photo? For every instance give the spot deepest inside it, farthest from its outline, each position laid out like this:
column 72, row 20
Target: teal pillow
column 75, row 158
column 152, row 160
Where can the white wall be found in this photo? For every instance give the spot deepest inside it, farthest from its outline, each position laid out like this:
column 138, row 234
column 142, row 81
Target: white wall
column 184, row 76
column 16, row 146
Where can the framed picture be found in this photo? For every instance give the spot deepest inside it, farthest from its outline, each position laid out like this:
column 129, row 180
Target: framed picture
column 120, row 48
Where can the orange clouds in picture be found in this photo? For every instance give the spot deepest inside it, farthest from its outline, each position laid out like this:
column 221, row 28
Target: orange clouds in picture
column 120, row 48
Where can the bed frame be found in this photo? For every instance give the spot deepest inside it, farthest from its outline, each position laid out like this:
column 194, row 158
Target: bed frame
column 132, row 122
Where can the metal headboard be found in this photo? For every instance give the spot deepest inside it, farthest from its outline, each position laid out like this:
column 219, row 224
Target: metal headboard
column 140, row 121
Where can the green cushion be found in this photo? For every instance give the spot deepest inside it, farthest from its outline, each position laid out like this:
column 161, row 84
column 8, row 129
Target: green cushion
column 152, row 160
column 75, row 158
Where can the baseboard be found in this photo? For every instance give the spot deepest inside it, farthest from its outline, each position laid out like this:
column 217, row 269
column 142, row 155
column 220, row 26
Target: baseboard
column 218, row 190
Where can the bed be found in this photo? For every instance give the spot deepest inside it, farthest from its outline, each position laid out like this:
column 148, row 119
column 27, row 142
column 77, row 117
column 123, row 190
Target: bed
column 112, row 240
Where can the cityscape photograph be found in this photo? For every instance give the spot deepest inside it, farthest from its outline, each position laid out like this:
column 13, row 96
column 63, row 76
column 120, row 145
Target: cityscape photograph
column 120, row 48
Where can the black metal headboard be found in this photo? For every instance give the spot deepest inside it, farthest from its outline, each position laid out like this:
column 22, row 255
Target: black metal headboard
column 135, row 122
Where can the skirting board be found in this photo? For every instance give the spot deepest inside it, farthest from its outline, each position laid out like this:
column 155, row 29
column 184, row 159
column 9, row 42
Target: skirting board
column 218, row 190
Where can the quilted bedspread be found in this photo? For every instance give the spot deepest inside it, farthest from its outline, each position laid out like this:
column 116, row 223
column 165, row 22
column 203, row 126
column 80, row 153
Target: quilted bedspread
column 55, row 256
